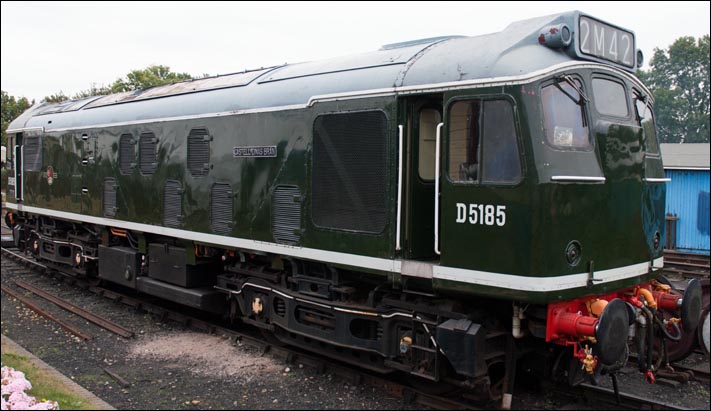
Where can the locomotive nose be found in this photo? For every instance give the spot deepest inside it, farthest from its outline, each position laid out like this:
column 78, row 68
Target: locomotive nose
column 611, row 332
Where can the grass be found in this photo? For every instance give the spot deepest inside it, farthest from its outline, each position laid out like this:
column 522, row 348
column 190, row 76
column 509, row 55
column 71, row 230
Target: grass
column 44, row 386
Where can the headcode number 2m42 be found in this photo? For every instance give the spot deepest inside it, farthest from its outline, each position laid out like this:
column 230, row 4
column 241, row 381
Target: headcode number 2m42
column 482, row 214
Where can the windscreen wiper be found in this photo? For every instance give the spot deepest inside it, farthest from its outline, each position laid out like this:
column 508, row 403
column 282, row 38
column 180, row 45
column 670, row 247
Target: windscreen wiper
column 583, row 98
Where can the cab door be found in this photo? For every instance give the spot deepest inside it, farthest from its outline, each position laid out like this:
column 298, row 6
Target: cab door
column 17, row 166
column 91, row 193
column 424, row 113
column 482, row 201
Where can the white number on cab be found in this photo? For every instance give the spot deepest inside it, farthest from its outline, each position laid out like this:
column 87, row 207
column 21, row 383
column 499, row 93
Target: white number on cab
column 482, row 214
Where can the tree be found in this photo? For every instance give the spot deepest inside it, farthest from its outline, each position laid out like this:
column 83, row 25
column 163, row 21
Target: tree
column 135, row 80
column 56, row 98
column 679, row 80
column 93, row 91
column 11, row 108
column 148, row 77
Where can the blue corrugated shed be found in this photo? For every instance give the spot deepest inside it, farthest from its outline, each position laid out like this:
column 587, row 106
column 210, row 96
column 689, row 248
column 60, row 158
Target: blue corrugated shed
column 688, row 199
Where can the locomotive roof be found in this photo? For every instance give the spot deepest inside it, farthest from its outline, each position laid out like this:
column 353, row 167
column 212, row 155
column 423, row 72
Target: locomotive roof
column 513, row 51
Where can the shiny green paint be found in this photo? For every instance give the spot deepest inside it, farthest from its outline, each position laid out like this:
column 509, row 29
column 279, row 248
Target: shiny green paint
column 139, row 197
column 615, row 221
column 477, row 246
column 63, row 154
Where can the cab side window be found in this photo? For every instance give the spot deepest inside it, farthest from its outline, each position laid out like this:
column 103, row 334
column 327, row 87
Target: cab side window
column 645, row 118
column 483, row 145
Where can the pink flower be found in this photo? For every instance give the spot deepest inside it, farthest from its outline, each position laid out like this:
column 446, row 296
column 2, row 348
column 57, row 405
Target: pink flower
column 14, row 386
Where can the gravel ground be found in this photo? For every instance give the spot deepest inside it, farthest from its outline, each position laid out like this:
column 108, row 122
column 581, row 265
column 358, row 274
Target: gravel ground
column 169, row 367
column 172, row 368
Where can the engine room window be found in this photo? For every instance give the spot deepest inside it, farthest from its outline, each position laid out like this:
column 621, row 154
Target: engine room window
column 610, row 97
column 564, row 115
column 483, row 142
column 349, row 178
column 645, row 118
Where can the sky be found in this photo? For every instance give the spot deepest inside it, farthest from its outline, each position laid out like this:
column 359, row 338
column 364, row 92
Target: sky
column 68, row 46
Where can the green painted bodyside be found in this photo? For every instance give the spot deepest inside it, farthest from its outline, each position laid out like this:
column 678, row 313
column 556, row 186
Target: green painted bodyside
column 614, row 222
column 139, row 197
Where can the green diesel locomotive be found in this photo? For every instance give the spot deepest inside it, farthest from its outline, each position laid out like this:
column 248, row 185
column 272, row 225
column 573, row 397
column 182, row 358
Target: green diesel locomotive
column 441, row 207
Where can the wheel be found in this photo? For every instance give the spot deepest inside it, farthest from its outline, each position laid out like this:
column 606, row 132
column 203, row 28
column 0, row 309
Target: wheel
column 703, row 332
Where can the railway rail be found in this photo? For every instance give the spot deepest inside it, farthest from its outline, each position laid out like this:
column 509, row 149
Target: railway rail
column 46, row 314
column 454, row 400
column 686, row 264
column 600, row 397
column 287, row 355
column 100, row 321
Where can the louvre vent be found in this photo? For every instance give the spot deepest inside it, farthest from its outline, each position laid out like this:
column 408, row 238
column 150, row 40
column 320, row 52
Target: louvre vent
column 172, row 204
column 32, row 153
column 349, row 167
column 199, row 152
column 221, row 200
column 286, row 215
column 110, row 198
column 147, row 153
column 127, row 154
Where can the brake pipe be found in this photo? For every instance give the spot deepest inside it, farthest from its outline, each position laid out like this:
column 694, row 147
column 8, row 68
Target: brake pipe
column 574, row 324
column 647, row 296
column 649, row 314
column 667, row 301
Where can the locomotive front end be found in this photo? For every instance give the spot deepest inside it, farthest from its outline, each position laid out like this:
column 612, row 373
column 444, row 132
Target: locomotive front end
column 600, row 200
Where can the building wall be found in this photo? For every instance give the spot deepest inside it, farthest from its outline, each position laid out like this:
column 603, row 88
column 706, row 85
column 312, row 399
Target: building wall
column 688, row 199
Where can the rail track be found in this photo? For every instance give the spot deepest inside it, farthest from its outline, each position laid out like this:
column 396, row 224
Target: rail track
column 454, row 400
column 686, row 265
column 286, row 354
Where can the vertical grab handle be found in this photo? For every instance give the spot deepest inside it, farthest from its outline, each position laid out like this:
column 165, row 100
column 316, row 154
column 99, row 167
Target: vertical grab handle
column 23, row 166
column 399, row 188
column 436, row 194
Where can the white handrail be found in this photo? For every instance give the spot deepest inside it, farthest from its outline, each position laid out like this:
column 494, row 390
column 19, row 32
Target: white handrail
column 436, row 213
column 399, row 188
